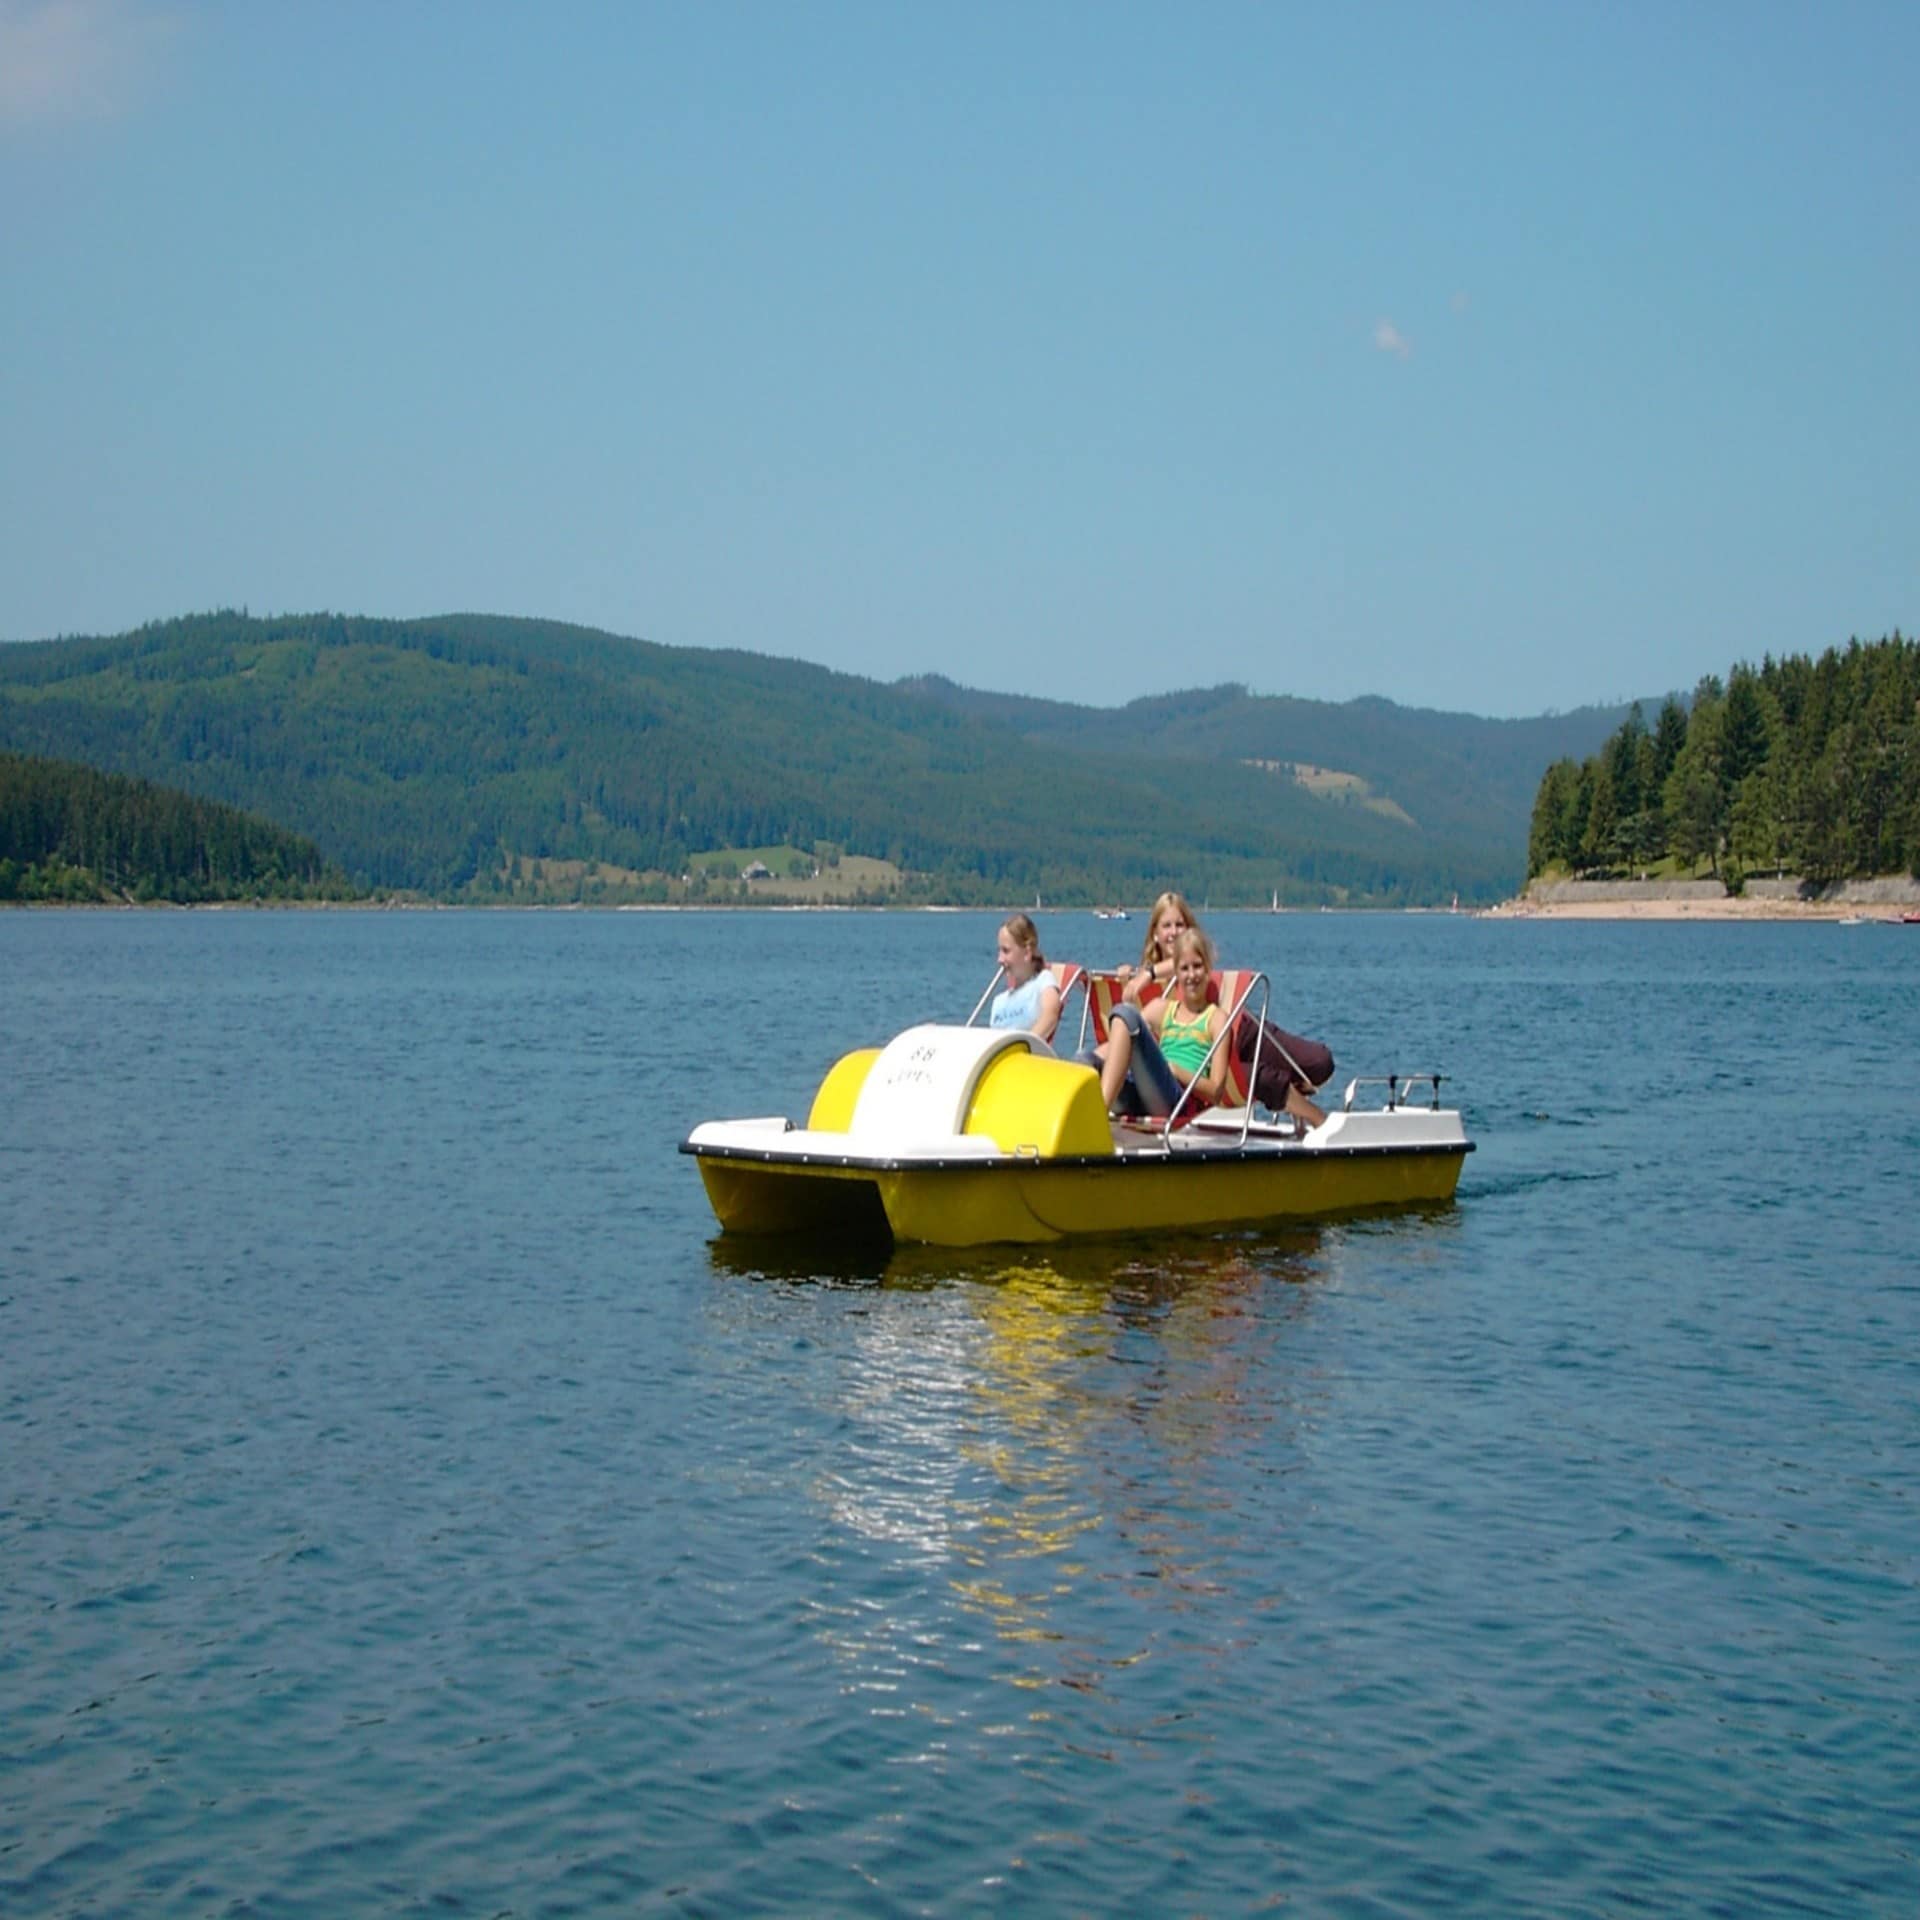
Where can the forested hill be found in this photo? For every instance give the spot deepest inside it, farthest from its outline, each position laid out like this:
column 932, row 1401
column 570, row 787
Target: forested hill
column 1807, row 765
column 1461, row 777
column 71, row 833
column 427, row 754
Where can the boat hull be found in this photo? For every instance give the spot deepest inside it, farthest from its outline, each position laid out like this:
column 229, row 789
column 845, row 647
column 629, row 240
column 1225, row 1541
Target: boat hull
column 1014, row 1201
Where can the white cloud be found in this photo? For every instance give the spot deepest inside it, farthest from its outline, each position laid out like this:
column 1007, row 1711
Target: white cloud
column 74, row 59
column 1389, row 339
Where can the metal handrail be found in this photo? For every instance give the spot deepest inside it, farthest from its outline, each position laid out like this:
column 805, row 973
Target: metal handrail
column 1394, row 1083
column 999, row 974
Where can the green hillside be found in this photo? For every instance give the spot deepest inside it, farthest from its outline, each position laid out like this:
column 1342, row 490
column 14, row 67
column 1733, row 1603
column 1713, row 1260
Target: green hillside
column 435, row 754
column 1461, row 778
column 72, row 833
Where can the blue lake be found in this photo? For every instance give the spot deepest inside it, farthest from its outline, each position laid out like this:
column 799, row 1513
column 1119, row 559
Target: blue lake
column 408, row 1505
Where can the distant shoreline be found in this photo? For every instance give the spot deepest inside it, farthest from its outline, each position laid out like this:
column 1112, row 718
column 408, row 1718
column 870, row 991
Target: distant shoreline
column 1884, row 898
column 1598, row 900
column 1727, row 909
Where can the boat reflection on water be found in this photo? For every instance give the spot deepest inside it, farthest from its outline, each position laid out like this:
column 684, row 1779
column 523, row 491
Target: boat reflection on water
column 1114, row 1269
column 1056, row 1438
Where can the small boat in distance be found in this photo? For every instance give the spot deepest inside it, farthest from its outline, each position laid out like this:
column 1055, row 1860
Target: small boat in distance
column 1110, row 913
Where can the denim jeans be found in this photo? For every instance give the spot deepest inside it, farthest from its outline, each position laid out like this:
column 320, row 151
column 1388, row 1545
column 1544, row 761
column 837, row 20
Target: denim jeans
column 1151, row 1086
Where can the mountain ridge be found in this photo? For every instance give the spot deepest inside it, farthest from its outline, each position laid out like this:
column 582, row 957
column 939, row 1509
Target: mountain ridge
column 429, row 754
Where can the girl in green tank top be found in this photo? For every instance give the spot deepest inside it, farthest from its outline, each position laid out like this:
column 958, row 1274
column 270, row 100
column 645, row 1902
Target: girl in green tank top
column 1185, row 1042
column 1185, row 1023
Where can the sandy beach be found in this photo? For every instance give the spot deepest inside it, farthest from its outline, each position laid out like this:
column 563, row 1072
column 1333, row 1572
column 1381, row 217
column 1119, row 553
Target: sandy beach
column 1885, row 899
column 1727, row 909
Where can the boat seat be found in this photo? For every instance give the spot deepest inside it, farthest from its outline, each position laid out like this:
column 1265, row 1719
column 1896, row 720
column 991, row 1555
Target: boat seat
column 1103, row 995
column 1231, row 987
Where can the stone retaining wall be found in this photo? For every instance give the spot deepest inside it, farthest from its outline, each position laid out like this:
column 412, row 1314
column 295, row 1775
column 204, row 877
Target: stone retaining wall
column 1554, row 893
column 1887, row 890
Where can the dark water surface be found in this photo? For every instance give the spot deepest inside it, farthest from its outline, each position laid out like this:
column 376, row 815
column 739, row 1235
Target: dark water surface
column 407, row 1505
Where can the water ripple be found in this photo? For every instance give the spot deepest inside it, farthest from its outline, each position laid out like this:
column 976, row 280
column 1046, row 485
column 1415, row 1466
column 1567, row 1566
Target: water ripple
column 407, row 1506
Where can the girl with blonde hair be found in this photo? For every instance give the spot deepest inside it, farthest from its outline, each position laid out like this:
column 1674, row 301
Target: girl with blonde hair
column 1170, row 917
column 1151, row 1057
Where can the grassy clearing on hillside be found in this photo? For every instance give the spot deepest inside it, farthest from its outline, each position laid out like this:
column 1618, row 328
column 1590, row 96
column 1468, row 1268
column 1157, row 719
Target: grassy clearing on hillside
column 824, row 874
column 1329, row 783
column 715, row 877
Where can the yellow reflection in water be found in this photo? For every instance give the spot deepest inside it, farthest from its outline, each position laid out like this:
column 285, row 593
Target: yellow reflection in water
column 1029, row 1433
column 1030, row 1428
column 1109, row 1388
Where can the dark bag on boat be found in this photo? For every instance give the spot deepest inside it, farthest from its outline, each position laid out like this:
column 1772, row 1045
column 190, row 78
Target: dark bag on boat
column 1286, row 1059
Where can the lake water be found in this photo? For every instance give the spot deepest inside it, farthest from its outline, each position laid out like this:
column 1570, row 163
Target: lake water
column 408, row 1505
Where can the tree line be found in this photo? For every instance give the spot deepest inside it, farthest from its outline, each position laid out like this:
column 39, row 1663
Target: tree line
column 1798, row 765
column 74, row 833
column 429, row 756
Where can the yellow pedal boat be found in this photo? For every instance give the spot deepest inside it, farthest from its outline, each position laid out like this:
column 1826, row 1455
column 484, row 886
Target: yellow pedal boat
column 965, row 1136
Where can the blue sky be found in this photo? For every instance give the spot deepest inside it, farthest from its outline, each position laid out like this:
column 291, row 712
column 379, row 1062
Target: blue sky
column 1496, row 358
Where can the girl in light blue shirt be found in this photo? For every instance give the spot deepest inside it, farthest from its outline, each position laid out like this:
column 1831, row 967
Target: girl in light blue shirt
column 1031, row 997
